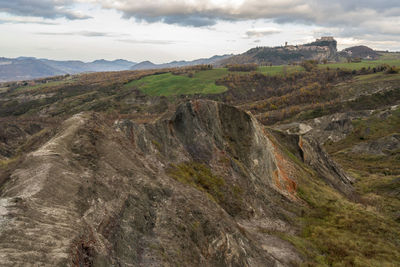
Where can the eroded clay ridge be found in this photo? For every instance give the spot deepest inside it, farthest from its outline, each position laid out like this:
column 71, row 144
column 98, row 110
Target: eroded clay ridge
column 194, row 189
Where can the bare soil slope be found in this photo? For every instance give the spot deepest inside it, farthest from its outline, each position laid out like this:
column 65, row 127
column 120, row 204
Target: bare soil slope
column 206, row 186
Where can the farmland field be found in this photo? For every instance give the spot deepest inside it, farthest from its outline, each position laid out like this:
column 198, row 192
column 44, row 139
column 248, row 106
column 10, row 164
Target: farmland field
column 168, row 84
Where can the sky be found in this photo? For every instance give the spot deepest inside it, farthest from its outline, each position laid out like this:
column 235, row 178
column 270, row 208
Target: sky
column 167, row 30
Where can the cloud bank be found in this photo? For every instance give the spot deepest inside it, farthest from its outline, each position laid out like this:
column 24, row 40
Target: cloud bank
column 343, row 18
column 48, row 9
column 208, row 12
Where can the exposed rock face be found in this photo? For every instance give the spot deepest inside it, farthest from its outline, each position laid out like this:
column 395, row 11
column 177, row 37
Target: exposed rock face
column 305, row 146
column 192, row 189
column 332, row 127
column 383, row 146
column 310, row 135
column 315, row 156
column 13, row 135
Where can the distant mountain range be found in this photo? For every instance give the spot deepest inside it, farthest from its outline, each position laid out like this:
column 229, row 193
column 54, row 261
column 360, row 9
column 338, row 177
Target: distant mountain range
column 28, row 68
column 176, row 64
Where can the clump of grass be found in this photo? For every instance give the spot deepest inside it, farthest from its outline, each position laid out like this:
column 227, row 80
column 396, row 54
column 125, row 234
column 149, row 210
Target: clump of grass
column 7, row 162
column 392, row 70
column 157, row 145
column 199, row 176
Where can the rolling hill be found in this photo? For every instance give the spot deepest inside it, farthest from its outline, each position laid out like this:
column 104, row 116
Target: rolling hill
column 177, row 64
column 281, row 166
column 324, row 48
column 362, row 51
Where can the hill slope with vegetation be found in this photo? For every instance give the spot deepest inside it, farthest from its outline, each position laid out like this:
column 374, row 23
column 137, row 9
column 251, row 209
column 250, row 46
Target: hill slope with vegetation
column 240, row 166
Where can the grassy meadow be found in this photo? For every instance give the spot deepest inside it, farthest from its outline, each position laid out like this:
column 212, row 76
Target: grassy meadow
column 168, row 84
column 203, row 82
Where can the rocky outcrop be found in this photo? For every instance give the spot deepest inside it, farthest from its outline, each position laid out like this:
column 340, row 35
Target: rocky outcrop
column 331, row 127
column 383, row 146
column 321, row 49
column 312, row 134
column 310, row 151
column 315, row 156
column 203, row 187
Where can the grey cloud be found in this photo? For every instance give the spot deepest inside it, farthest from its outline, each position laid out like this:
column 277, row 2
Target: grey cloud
column 50, row 9
column 260, row 33
column 157, row 42
column 361, row 17
column 195, row 20
column 13, row 21
column 82, row 33
column 206, row 12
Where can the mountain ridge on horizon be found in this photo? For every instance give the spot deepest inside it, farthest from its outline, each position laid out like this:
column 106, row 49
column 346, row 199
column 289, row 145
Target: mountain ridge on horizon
column 28, row 68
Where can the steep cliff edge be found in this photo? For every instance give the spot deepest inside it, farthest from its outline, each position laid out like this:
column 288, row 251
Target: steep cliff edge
column 207, row 186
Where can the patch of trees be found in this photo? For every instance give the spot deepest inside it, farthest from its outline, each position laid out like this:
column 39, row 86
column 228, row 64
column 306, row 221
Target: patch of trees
column 191, row 70
column 312, row 93
column 332, row 43
column 281, row 57
column 392, row 70
column 256, row 86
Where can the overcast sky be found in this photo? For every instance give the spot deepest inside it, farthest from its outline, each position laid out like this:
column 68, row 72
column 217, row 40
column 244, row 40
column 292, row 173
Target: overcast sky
column 166, row 30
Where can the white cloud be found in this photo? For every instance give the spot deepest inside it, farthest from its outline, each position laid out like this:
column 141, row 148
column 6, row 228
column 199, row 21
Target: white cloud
column 162, row 30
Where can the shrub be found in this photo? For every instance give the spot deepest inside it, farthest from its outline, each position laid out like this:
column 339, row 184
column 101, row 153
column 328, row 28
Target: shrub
column 309, row 65
column 392, row 70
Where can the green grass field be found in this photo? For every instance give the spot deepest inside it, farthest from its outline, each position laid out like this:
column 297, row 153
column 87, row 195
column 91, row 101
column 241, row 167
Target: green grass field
column 203, row 82
column 360, row 65
column 278, row 70
column 168, row 84
column 389, row 55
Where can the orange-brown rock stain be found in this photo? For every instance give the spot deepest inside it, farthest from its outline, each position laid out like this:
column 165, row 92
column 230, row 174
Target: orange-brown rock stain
column 280, row 176
column 289, row 185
